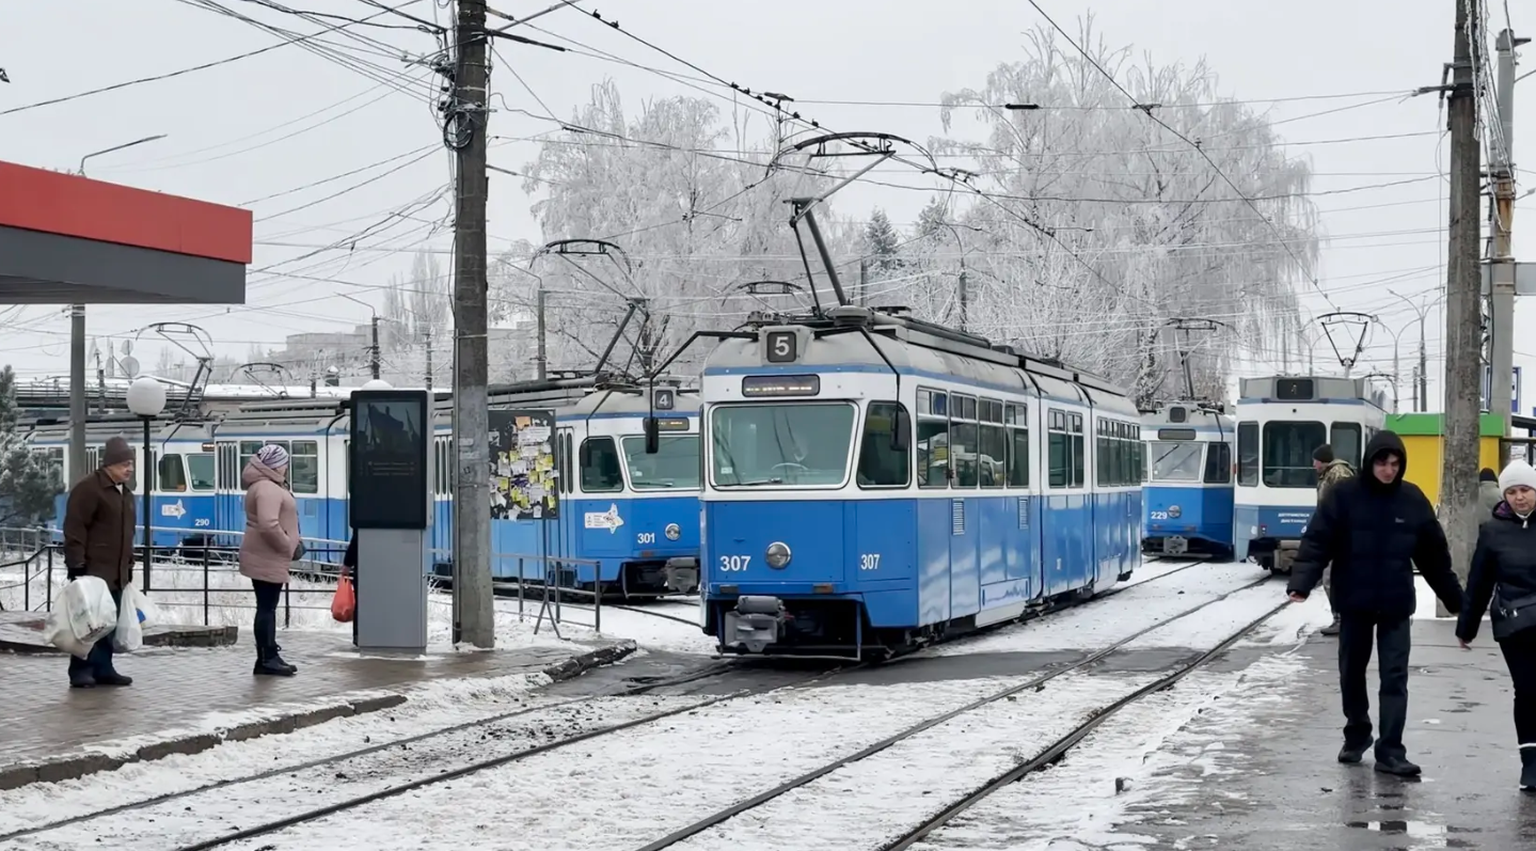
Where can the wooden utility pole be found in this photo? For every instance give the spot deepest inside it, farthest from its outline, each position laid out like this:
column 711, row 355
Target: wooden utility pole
column 465, row 131
column 1459, row 511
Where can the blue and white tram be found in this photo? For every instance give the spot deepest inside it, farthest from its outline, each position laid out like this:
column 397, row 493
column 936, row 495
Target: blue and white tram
column 182, row 500
column 1280, row 421
column 874, row 482
column 1189, row 490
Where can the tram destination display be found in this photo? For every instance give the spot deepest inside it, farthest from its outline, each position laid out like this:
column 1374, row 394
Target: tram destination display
column 389, row 476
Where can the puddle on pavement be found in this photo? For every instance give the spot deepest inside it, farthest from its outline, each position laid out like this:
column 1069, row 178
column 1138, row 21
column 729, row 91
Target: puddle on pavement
column 1421, row 833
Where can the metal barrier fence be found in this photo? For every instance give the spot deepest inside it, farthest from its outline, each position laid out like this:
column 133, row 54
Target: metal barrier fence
column 548, row 580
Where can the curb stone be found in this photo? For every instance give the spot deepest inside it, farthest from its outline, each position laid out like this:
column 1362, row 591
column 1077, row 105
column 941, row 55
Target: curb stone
column 79, row 765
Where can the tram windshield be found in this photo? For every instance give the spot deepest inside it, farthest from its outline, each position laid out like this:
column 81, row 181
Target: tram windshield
column 675, row 464
column 1287, row 454
column 788, row 444
column 1176, row 461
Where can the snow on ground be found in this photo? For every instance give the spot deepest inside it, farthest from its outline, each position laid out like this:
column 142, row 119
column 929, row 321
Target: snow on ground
column 650, row 625
column 1103, row 622
column 1151, row 744
column 432, row 706
column 882, row 797
column 219, row 811
column 1292, row 625
column 661, row 776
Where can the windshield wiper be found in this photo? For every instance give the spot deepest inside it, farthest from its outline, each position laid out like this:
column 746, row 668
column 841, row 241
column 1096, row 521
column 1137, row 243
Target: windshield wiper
column 756, row 482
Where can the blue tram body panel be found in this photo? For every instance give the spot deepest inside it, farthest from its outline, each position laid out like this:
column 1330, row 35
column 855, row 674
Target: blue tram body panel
column 1258, row 522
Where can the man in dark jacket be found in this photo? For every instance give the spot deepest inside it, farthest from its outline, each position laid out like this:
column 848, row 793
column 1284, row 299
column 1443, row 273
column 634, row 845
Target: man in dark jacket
column 98, row 541
column 1373, row 529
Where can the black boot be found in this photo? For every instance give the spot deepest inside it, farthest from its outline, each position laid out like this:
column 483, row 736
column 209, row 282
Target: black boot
column 81, row 674
column 1352, row 754
column 1528, row 768
column 1397, row 765
column 1332, row 629
column 269, row 664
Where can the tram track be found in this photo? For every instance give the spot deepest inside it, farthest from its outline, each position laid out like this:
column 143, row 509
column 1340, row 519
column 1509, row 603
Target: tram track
column 341, row 763
column 748, row 805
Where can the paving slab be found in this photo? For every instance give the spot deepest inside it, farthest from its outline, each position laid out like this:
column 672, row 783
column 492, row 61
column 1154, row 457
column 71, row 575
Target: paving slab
column 22, row 632
column 184, row 700
column 1272, row 783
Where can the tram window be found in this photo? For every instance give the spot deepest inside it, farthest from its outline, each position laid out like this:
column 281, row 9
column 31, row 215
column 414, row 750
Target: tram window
column 1347, row 443
column 304, row 466
column 1078, row 457
column 932, row 441
column 1058, row 450
column 1287, row 453
column 1018, row 457
column 1176, row 461
column 1218, row 464
column 1248, row 454
column 170, row 475
column 600, row 465
column 201, row 470
column 880, row 466
column 1101, row 463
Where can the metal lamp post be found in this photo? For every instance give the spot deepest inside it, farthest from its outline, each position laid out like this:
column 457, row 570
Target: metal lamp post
column 146, row 399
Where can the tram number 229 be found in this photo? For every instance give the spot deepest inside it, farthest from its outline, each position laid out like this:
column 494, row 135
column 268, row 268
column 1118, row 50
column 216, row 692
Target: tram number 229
column 734, row 564
column 1159, row 515
column 869, row 561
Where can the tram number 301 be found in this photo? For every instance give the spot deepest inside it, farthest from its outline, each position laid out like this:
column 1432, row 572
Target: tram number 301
column 645, row 538
column 869, row 561
column 734, row 564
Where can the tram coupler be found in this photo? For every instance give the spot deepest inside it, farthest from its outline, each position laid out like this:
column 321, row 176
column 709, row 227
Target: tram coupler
column 754, row 624
column 681, row 574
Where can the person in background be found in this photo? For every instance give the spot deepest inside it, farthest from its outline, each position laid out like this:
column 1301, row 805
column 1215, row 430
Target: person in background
column 1330, row 471
column 349, row 567
column 98, row 541
column 270, row 545
column 1373, row 529
column 1488, row 489
column 1504, row 573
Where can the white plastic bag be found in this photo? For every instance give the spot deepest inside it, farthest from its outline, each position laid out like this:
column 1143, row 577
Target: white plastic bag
column 82, row 614
column 129, row 635
column 149, row 614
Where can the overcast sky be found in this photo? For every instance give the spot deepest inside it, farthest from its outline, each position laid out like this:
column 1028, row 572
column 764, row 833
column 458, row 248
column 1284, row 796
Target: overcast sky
column 243, row 132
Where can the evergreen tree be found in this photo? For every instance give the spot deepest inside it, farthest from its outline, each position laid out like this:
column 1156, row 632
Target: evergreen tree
column 28, row 485
column 881, row 242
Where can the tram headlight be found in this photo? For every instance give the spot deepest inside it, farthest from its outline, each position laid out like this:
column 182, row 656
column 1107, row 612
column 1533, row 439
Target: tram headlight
column 673, row 531
column 777, row 555
column 1174, row 511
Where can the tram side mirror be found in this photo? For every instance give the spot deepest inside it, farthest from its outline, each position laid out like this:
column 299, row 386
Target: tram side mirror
column 901, row 431
column 652, row 435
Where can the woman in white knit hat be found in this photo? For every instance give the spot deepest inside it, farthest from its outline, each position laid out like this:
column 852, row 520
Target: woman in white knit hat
column 1504, row 573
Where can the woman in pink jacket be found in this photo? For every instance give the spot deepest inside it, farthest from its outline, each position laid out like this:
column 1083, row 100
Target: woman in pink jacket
column 270, row 545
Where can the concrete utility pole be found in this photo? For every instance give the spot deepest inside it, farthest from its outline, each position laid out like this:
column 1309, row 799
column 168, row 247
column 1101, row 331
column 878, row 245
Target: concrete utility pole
column 1502, row 266
column 373, row 350
column 543, row 356
column 465, row 131
column 1463, row 308
column 77, row 468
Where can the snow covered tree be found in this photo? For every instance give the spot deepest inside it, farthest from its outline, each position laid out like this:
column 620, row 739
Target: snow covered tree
column 28, row 484
column 1113, row 224
column 690, row 200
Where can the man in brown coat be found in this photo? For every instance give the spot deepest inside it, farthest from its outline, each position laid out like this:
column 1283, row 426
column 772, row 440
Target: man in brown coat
column 98, row 541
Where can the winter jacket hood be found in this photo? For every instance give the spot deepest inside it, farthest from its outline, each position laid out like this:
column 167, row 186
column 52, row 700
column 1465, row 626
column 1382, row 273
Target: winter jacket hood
column 271, row 525
column 1384, row 443
column 1489, row 495
column 1332, row 473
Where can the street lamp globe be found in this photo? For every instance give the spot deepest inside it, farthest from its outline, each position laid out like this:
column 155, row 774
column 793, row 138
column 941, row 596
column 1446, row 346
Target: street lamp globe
column 377, row 384
column 146, row 397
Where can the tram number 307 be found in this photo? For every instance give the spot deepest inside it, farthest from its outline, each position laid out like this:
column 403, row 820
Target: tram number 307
column 869, row 561
column 734, row 564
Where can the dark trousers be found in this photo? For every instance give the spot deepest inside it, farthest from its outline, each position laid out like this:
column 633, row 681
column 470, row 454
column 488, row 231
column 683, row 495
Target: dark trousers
column 1520, row 655
column 99, row 660
column 1355, row 643
column 264, row 628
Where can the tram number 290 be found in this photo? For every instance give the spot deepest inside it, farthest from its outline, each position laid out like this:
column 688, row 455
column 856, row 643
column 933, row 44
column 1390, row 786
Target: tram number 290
column 734, row 564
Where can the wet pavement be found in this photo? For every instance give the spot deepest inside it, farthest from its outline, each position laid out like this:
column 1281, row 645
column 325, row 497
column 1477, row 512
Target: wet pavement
column 1276, row 784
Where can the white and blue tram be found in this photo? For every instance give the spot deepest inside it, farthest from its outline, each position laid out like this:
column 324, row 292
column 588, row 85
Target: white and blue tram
column 1189, row 490
column 1280, row 421
column 183, row 495
column 874, row 482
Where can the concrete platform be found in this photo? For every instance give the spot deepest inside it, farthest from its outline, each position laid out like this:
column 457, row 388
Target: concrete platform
column 185, row 700
column 1277, row 786
column 22, row 632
